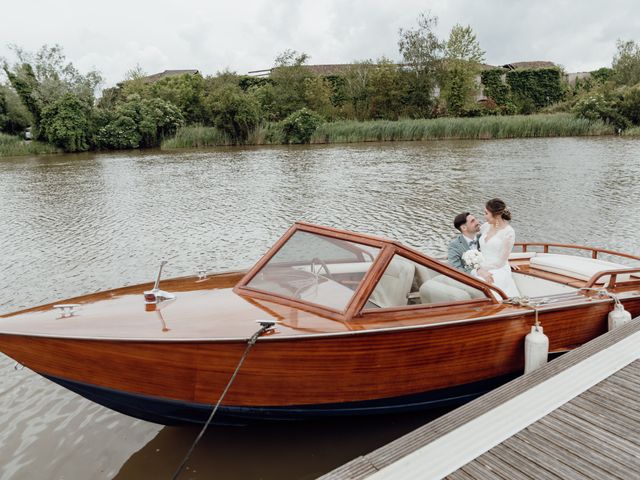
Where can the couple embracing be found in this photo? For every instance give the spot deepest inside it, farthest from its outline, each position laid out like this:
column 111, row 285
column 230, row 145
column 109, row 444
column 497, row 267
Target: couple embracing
column 493, row 239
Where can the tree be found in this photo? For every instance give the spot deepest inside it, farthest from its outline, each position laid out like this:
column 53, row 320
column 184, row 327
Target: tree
column 422, row 50
column 234, row 112
column 626, row 63
column 299, row 126
column 289, row 75
column 186, row 92
column 137, row 123
column 357, row 89
column 388, row 90
column 43, row 78
column 14, row 117
column 462, row 57
column 66, row 123
column 317, row 96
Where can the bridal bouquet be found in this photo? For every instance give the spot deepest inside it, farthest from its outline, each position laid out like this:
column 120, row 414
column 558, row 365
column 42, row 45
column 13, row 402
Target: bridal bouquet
column 473, row 258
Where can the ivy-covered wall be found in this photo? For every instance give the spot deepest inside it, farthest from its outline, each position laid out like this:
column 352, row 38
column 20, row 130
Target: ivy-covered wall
column 494, row 87
column 535, row 88
column 528, row 89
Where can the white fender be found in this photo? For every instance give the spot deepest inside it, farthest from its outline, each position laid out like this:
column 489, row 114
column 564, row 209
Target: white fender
column 618, row 316
column 536, row 349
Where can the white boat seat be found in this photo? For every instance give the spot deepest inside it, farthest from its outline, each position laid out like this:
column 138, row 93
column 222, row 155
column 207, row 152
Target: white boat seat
column 395, row 284
column 442, row 289
column 522, row 255
column 580, row 268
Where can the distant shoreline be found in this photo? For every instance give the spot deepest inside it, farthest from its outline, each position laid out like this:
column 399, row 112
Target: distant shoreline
column 444, row 128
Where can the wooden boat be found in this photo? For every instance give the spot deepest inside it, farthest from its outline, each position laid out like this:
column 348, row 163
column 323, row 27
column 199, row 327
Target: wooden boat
column 363, row 325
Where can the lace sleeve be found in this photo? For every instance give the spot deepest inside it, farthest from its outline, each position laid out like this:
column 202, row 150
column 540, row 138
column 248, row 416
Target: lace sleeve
column 508, row 238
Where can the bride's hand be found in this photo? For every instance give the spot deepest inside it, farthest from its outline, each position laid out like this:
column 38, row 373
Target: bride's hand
column 486, row 275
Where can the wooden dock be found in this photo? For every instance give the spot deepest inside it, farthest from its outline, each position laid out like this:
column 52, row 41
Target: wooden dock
column 577, row 417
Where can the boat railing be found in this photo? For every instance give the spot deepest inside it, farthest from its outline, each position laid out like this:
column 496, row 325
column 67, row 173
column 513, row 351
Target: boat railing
column 525, row 246
column 632, row 279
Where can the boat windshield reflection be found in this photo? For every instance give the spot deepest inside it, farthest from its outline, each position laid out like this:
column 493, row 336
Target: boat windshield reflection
column 317, row 269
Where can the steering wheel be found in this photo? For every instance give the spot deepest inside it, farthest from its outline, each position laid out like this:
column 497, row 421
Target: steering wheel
column 323, row 265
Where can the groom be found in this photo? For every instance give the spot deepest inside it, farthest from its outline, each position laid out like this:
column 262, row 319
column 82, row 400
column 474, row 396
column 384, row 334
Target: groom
column 469, row 227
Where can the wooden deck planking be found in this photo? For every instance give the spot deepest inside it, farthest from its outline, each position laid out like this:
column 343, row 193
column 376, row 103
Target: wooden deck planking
column 605, row 414
column 527, row 458
column 607, row 423
column 502, row 468
column 591, row 438
column 567, row 420
column 576, row 452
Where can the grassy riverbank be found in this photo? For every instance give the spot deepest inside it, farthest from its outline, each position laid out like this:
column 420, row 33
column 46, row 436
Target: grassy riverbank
column 518, row 126
column 11, row 145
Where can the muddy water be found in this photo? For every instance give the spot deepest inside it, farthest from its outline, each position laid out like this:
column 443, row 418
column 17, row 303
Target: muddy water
column 75, row 224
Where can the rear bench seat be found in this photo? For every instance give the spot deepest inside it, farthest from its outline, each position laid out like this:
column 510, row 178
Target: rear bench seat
column 580, row 268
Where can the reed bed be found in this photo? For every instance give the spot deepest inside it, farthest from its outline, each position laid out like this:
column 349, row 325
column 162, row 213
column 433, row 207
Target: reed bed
column 485, row 128
column 518, row 126
column 631, row 132
column 11, row 145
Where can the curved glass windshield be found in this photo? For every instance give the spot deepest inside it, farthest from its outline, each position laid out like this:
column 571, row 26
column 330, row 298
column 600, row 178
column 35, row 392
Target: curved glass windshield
column 316, row 269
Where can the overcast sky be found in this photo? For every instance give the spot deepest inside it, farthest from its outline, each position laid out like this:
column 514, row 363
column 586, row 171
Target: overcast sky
column 244, row 35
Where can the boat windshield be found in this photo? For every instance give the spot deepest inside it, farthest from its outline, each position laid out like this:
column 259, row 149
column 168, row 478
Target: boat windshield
column 317, row 269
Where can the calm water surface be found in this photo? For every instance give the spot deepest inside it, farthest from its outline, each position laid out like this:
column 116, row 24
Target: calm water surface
column 74, row 224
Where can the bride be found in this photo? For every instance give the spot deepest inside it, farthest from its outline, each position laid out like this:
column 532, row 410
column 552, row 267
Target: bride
column 496, row 241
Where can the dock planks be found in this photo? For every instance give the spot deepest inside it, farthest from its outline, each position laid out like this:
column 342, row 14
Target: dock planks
column 595, row 435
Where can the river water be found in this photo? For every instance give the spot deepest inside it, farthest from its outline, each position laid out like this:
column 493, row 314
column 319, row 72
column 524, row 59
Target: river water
column 74, row 224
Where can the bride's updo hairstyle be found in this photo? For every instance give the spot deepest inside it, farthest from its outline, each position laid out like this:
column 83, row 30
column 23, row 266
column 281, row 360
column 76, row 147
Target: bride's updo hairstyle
column 498, row 208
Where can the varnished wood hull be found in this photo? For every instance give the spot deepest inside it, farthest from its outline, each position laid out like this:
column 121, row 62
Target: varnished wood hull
column 315, row 372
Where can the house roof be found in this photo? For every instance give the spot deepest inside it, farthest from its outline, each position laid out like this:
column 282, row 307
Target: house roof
column 529, row 65
column 167, row 73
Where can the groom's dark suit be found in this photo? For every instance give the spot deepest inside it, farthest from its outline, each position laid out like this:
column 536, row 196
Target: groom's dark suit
column 457, row 247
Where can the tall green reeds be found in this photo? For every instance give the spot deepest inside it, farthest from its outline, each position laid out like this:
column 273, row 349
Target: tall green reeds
column 10, row 146
column 519, row 126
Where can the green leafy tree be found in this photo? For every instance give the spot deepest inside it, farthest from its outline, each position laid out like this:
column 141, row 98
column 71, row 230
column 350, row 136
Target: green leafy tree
column 14, row 117
column 137, row 123
column 300, row 126
column 187, row 92
column 388, row 90
column 43, row 78
column 357, row 89
column 317, row 96
column 234, row 112
column 288, row 76
column 626, row 63
column 462, row 58
column 422, row 50
column 66, row 123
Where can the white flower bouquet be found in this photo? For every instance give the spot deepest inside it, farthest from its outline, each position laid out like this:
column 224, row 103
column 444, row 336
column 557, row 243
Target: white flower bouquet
column 473, row 259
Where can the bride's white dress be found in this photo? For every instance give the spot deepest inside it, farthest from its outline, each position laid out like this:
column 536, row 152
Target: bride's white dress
column 496, row 252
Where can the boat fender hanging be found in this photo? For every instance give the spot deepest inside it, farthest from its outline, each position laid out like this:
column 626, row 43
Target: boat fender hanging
column 536, row 348
column 618, row 316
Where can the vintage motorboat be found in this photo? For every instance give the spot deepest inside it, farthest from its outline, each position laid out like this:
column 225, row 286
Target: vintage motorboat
column 356, row 324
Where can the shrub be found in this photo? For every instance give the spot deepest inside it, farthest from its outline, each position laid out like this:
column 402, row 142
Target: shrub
column 234, row 112
column 65, row 123
column 299, row 126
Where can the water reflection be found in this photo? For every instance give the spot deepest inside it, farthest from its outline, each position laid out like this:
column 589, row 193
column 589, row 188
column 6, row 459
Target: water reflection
column 289, row 450
column 74, row 224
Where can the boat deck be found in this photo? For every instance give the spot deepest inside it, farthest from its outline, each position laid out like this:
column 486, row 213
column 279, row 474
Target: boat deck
column 577, row 417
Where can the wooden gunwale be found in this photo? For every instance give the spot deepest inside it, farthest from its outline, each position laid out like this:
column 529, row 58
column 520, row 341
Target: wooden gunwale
column 523, row 312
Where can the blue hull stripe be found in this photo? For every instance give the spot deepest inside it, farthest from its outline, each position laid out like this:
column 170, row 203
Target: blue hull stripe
column 173, row 412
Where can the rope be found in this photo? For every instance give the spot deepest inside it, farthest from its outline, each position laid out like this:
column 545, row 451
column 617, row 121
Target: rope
column 528, row 303
column 264, row 326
